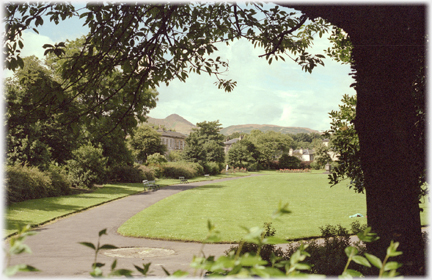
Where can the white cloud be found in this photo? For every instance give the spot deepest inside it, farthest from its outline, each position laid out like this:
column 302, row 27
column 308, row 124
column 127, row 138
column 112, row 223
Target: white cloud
column 33, row 44
column 280, row 93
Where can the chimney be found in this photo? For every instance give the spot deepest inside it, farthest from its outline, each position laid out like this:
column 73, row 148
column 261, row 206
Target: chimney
column 290, row 152
column 301, row 151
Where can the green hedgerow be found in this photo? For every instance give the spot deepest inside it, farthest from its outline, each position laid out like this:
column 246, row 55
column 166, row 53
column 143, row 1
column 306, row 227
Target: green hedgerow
column 29, row 182
column 126, row 174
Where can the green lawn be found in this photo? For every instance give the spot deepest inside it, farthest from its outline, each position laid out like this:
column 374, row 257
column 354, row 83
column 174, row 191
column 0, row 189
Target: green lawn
column 249, row 202
column 40, row 211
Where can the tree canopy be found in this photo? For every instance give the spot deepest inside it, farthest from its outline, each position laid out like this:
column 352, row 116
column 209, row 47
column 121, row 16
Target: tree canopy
column 205, row 143
column 149, row 44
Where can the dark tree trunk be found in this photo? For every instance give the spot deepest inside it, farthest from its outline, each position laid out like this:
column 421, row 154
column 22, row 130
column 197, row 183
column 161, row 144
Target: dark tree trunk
column 388, row 42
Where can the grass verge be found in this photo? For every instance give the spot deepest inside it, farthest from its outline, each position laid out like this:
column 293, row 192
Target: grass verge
column 249, row 202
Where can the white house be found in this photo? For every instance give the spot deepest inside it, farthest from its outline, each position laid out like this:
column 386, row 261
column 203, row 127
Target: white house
column 306, row 154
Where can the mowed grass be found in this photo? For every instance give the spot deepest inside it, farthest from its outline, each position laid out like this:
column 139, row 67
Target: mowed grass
column 40, row 211
column 250, row 202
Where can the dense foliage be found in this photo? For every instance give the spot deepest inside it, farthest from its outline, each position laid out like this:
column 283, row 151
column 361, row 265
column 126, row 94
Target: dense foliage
column 345, row 142
column 26, row 182
column 144, row 142
column 205, row 143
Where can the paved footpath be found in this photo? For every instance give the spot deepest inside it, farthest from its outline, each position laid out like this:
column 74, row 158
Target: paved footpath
column 56, row 251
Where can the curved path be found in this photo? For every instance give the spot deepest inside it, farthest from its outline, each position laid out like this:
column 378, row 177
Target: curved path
column 56, row 251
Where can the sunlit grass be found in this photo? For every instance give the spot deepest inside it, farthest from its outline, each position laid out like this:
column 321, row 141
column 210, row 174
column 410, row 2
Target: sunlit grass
column 249, row 202
column 40, row 211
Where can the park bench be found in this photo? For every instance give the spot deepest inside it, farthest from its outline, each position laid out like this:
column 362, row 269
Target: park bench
column 207, row 176
column 151, row 184
column 183, row 180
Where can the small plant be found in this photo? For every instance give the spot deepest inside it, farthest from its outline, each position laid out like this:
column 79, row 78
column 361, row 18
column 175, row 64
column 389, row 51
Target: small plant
column 16, row 247
column 96, row 266
column 386, row 269
column 267, row 250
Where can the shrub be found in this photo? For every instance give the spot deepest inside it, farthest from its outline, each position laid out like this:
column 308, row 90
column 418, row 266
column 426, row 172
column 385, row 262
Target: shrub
column 315, row 166
column 274, row 164
column 181, row 168
column 199, row 170
column 289, row 162
column 156, row 159
column 328, row 256
column 126, row 174
column 157, row 170
column 266, row 250
column 24, row 183
column 254, row 167
column 147, row 172
column 87, row 166
column 59, row 180
column 212, row 168
column 305, row 164
column 174, row 155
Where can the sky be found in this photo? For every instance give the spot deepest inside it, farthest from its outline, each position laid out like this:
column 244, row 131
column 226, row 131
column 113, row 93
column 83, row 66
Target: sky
column 278, row 94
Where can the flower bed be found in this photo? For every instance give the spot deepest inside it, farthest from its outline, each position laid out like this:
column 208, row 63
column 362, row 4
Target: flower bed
column 294, row 170
column 234, row 170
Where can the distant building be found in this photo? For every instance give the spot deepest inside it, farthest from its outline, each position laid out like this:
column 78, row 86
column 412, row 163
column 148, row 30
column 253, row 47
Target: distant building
column 305, row 154
column 229, row 143
column 173, row 140
column 334, row 156
column 326, row 142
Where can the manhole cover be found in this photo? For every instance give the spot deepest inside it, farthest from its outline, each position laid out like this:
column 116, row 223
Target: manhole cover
column 138, row 252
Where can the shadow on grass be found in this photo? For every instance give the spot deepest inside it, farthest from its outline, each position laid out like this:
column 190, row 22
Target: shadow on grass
column 188, row 187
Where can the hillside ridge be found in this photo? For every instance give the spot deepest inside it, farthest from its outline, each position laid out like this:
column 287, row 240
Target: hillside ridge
column 180, row 124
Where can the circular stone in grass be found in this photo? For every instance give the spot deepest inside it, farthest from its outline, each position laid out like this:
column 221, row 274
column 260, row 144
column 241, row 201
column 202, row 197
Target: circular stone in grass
column 138, row 252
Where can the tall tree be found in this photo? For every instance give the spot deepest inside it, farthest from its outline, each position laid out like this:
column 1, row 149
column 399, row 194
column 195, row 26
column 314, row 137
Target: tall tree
column 388, row 46
column 35, row 134
column 270, row 144
column 242, row 154
column 205, row 143
column 144, row 142
column 157, row 43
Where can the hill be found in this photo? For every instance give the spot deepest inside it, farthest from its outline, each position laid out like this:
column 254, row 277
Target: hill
column 247, row 128
column 179, row 124
column 174, row 122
